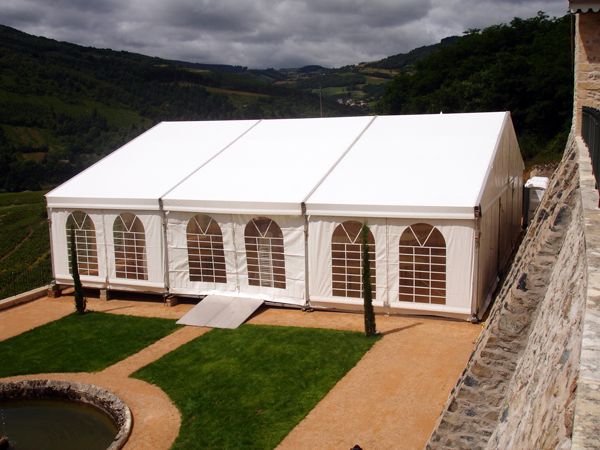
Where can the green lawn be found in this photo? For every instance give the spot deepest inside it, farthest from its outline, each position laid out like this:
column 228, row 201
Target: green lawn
column 247, row 388
column 87, row 343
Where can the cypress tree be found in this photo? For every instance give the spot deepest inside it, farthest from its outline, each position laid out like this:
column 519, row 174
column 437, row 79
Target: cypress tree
column 370, row 327
column 80, row 302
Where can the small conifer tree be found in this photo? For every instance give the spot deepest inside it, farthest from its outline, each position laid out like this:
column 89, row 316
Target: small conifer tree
column 370, row 327
column 80, row 302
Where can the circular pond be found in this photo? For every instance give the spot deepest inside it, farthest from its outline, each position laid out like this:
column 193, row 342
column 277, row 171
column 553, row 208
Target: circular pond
column 55, row 424
column 53, row 415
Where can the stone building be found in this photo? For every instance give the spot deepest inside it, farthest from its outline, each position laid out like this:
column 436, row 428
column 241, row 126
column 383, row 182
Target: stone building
column 586, row 42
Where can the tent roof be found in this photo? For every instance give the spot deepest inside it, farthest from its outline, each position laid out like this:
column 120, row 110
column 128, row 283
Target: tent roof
column 413, row 166
column 271, row 170
column 387, row 166
column 139, row 173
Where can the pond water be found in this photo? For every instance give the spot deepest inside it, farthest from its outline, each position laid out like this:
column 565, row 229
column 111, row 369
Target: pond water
column 55, row 425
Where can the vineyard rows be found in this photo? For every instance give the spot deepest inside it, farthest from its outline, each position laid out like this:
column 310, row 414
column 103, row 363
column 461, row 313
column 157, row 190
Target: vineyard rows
column 24, row 242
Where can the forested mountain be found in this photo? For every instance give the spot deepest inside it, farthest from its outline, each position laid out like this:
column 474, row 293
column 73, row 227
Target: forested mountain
column 64, row 106
column 523, row 67
column 406, row 61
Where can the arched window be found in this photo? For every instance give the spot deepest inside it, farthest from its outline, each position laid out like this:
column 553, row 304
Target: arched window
column 264, row 250
column 346, row 254
column 205, row 250
column 423, row 265
column 85, row 243
column 130, row 247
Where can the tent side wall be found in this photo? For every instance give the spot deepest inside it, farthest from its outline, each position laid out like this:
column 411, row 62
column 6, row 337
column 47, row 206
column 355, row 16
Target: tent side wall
column 459, row 236
column 104, row 249
column 233, row 227
column 500, row 222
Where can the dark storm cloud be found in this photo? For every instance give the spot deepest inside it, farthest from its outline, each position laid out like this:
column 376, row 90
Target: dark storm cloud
column 264, row 33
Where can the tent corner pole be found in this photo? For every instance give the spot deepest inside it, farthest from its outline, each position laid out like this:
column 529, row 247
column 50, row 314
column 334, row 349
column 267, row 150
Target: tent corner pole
column 475, row 300
column 306, row 280
column 165, row 248
column 49, row 212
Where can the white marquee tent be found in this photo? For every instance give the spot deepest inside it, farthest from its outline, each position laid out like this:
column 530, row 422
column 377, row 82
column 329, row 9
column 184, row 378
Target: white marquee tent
column 271, row 210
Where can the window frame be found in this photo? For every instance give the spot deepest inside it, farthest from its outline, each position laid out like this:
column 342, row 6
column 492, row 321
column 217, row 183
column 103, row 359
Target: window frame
column 422, row 269
column 130, row 248
column 206, row 254
column 346, row 260
column 265, row 253
column 85, row 243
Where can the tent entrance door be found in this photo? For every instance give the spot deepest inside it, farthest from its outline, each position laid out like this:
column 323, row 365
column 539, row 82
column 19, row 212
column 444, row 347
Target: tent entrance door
column 218, row 311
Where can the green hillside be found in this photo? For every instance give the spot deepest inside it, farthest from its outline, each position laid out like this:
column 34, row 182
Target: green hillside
column 64, row 106
column 406, row 61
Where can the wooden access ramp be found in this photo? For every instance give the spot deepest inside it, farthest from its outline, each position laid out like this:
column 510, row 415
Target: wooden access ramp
column 218, row 311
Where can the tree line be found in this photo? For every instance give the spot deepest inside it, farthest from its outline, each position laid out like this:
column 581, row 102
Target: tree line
column 523, row 67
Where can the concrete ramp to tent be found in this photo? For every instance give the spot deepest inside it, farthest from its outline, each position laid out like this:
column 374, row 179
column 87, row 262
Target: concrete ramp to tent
column 217, row 311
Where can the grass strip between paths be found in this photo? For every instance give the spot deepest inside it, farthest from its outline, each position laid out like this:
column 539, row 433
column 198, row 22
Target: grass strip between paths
column 88, row 343
column 247, row 388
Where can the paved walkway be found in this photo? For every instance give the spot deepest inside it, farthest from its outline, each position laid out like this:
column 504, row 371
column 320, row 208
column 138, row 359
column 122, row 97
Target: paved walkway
column 390, row 400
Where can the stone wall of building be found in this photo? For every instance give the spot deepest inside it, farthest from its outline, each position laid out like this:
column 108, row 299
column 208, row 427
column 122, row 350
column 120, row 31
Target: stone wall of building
column 587, row 65
column 518, row 389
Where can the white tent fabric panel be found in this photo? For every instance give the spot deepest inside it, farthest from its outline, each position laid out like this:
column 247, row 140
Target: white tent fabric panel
column 152, row 222
column 517, row 207
column 233, row 228
column 179, row 272
column 271, row 170
column 505, row 166
column 61, row 248
column 320, row 232
column 488, row 252
column 458, row 234
column 139, row 173
column 425, row 166
column 107, row 276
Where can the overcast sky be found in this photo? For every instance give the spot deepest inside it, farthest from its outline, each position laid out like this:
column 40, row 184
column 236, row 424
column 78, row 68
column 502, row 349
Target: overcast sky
column 264, row 33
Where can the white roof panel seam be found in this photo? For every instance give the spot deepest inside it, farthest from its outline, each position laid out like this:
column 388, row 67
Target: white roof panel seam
column 339, row 159
column 210, row 159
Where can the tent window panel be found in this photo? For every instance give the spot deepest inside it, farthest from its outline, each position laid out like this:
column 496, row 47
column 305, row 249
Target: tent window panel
column 346, row 252
column 85, row 243
column 438, row 260
column 439, row 276
column 422, row 275
column 130, row 247
column 206, row 257
column 265, row 253
column 439, row 300
column 406, row 290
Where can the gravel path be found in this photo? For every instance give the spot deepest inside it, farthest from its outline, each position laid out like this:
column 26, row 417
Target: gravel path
column 390, row 400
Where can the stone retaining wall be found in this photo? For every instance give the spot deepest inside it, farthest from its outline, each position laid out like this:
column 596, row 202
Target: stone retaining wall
column 518, row 389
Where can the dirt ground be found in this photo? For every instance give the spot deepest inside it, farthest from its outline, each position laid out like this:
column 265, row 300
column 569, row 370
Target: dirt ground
column 390, row 400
